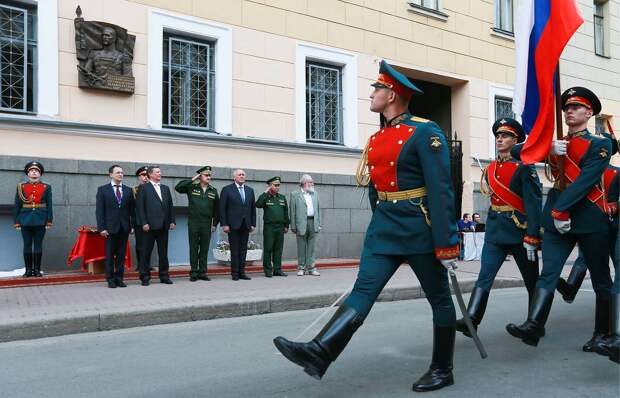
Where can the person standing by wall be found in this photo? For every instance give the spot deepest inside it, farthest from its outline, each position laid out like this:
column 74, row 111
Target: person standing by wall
column 143, row 178
column 32, row 215
column 275, row 225
column 305, row 223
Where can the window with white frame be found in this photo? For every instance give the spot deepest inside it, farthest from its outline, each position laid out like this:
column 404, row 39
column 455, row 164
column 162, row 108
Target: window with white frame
column 323, row 103
column 188, row 82
column 18, row 57
column 504, row 15
column 503, row 108
column 430, row 4
column 601, row 34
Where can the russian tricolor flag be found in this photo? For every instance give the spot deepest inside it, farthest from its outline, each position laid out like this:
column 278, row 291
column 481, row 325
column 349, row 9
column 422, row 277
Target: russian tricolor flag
column 543, row 28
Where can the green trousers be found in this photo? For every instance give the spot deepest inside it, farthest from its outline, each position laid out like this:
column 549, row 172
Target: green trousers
column 199, row 239
column 273, row 243
column 305, row 248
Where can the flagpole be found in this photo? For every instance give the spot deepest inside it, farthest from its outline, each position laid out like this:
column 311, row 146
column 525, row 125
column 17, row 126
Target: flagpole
column 559, row 126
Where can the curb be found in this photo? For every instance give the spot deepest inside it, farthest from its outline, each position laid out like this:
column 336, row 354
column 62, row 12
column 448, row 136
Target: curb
column 95, row 321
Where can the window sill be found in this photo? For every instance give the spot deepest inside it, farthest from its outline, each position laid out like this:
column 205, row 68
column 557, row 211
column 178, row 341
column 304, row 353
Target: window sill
column 503, row 34
column 429, row 12
column 603, row 56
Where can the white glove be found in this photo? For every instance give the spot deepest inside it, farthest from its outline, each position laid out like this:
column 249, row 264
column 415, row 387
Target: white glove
column 558, row 147
column 531, row 251
column 562, row 226
column 449, row 264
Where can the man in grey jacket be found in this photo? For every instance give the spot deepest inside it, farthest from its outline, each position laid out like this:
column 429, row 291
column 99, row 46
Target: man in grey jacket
column 305, row 216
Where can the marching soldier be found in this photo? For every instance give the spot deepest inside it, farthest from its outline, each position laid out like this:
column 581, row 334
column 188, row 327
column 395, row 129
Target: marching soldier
column 576, row 213
column 406, row 167
column 32, row 215
column 513, row 224
column 275, row 225
column 143, row 178
column 203, row 204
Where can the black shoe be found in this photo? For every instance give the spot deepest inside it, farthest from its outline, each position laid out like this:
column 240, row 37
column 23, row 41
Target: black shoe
column 120, row 283
column 439, row 374
column 245, row 277
column 316, row 355
column 193, row 278
column 145, row 283
column 279, row 273
column 601, row 324
column 112, row 284
column 166, row 281
column 235, row 278
column 476, row 308
column 36, row 265
column 610, row 347
column 533, row 329
column 28, row 265
column 268, row 275
column 204, row 278
column 590, row 345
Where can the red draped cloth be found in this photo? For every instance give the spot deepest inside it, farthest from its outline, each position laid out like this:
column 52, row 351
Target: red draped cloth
column 90, row 245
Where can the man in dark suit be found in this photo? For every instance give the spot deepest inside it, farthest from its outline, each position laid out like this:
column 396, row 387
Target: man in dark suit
column 238, row 219
column 115, row 204
column 156, row 216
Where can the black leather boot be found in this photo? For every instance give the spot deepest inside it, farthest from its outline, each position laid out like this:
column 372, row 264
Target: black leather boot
column 36, row 264
column 601, row 324
column 316, row 355
column 28, row 265
column 610, row 346
column 476, row 307
column 533, row 329
column 439, row 374
column 568, row 288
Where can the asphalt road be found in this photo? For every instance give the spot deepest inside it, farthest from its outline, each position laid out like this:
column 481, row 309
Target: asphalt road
column 229, row 358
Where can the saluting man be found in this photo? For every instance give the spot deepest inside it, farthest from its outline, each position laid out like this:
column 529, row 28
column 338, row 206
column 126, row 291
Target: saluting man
column 574, row 214
column 275, row 225
column 513, row 224
column 406, row 167
column 143, row 178
column 32, row 215
column 203, row 204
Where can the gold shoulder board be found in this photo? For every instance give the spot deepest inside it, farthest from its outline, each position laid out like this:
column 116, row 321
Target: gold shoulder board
column 419, row 119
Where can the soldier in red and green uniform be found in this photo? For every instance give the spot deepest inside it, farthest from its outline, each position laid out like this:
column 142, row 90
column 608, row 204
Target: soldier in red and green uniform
column 513, row 223
column 577, row 213
column 32, row 215
column 137, row 227
column 406, row 166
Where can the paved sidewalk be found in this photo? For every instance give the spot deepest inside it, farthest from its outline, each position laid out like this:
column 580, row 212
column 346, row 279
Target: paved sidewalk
column 43, row 311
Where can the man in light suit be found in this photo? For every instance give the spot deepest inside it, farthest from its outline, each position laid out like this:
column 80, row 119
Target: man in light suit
column 305, row 223
column 238, row 219
column 115, row 205
column 156, row 217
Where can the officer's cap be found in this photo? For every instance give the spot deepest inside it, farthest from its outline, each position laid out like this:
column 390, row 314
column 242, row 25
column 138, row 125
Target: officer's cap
column 273, row 180
column 141, row 170
column 204, row 170
column 581, row 96
column 396, row 81
column 34, row 165
column 509, row 126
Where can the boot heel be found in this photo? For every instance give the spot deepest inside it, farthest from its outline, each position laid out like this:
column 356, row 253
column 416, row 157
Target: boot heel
column 531, row 341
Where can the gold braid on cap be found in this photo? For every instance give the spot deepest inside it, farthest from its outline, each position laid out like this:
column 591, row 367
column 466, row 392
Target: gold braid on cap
column 362, row 174
column 485, row 189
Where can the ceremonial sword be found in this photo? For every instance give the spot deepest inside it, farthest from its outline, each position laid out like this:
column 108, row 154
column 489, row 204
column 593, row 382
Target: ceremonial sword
column 466, row 318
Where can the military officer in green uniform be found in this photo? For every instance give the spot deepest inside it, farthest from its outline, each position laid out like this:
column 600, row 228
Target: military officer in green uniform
column 275, row 225
column 143, row 178
column 203, row 202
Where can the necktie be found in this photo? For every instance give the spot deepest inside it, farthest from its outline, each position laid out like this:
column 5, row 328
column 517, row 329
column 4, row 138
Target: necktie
column 242, row 192
column 119, row 197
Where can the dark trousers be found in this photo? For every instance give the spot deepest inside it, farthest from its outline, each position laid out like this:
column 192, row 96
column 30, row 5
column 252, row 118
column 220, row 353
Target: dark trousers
column 33, row 238
column 161, row 237
column 595, row 248
column 238, row 240
column 115, row 246
column 376, row 270
column 493, row 256
column 139, row 235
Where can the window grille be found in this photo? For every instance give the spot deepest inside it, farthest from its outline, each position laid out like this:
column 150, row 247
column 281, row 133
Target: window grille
column 188, row 83
column 324, row 103
column 18, row 47
column 503, row 108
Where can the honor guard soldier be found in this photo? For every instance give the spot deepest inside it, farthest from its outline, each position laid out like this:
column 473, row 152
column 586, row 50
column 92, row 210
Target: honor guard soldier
column 275, row 225
column 406, row 166
column 32, row 215
column 203, row 205
column 137, row 227
column 513, row 223
column 576, row 213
